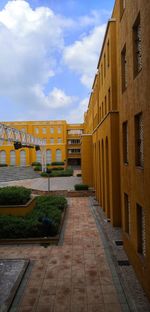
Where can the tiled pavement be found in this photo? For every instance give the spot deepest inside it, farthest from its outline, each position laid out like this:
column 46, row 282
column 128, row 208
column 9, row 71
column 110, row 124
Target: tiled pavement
column 72, row 277
column 65, row 183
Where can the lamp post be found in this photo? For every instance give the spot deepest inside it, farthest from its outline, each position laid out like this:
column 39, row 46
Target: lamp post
column 48, row 172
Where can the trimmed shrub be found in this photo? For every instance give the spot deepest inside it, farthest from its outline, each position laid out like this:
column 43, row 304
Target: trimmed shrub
column 3, row 165
column 57, row 168
column 36, row 163
column 14, row 195
column 62, row 173
column 57, row 163
column 79, row 175
column 38, row 168
column 44, row 220
column 81, row 187
column 44, row 174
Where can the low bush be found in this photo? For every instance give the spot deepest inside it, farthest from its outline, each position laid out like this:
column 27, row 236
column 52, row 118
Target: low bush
column 79, row 175
column 81, row 187
column 44, row 174
column 36, row 163
column 38, row 168
column 57, row 168
column 57, row 163
column 44, row 220
column 3, row 165
column 14, row 195
column 62, row 173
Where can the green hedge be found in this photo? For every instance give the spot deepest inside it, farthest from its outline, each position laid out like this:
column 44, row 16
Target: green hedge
column 48, row 208
column 14, row 195
column 57, row 168
column 3, row 165
column 36, row 163
column 79, row 175
column 81, row 187
column 58, row 173
column 57, row 163
column 38, row 168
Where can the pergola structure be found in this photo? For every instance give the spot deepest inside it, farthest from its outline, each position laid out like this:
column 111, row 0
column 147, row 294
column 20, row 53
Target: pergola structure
column 10, row 134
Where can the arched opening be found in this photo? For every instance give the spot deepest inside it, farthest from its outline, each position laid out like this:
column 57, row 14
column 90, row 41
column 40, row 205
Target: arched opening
column 103, row 175
column 99, row 171
column 3, row 157
column 22, row 158
column 58, row 155
column 38, row 156
column 12, row 158
column 107, row 178
column 48, row 156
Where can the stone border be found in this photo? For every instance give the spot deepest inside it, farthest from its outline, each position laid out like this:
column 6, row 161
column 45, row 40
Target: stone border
column 18, row 210
column 65, row 193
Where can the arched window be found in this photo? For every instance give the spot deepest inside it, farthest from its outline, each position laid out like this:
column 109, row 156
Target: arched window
column 12, row 158
column 38, row 156
column 58, row 155
column 22, row 158
column 3, row 157
column 48, row 156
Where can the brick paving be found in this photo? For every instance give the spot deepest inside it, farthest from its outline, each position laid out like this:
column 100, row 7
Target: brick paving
column 72, row 277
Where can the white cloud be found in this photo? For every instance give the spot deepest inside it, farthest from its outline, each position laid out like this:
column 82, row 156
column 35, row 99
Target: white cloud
column 30, row 41
column 77, row 114
column 82, row 56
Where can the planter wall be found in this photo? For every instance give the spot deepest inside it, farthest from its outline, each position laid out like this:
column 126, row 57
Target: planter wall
column 18, row 210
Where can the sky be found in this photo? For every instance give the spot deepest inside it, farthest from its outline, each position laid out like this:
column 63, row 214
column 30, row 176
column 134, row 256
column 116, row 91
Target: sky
column 49, row 51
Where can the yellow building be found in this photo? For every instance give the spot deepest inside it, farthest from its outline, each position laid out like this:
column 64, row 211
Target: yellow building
column 62, row 143
column 116, row 144
column 100, row 167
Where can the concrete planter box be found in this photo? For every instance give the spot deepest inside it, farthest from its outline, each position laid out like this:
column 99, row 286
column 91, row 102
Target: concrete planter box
column 18, row 210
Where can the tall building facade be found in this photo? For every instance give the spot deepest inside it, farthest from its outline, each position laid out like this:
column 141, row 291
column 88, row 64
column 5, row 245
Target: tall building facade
column 117, row 130
column 62, row 143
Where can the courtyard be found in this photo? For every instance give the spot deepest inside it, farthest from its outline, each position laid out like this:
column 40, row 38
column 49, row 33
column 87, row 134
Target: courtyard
column 82, row 273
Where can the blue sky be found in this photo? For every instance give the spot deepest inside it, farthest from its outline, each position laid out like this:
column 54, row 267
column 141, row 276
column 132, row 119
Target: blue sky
column 48, row 57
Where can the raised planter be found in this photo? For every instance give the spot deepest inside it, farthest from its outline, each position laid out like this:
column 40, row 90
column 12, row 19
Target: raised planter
column 54, row 240
column 18, row 210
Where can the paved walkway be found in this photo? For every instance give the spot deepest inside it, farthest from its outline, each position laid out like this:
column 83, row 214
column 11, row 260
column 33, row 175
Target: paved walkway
column 73, row 277
column 61, row 183
column 17, row 173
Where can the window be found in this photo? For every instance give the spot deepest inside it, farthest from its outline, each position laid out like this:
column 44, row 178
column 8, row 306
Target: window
column 124, row 68
column 51, row 140
column 102, row 110
column 2, row 157
column 36, row 130
column 127, row 214
column 48, row 156
column 43, row 130
column 105, row 105
column 59, row 140
column 102, row 73
column 137, row 47
column 75, row 131
column 109, row 100
column 74, row 141
column 51, row 130
column 125, row 142
column 38, row 156
column 74, row 151
column 104, row 65
column 12, row 158
column 59, row 130
column 141, row 243
column 139, row 140
column 58, row 155
column 108, row 58
column 122, row 7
